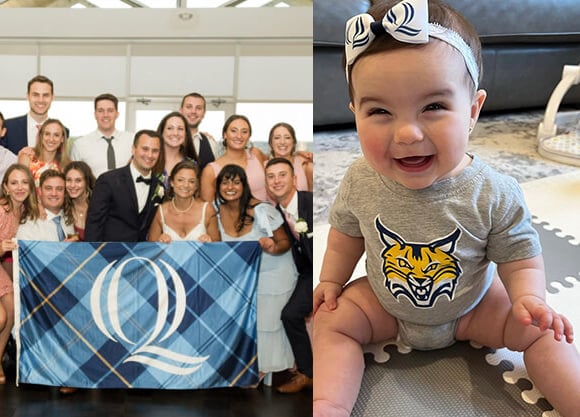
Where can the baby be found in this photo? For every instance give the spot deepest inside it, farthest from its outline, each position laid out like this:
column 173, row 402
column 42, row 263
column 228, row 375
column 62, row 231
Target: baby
column 451, row 252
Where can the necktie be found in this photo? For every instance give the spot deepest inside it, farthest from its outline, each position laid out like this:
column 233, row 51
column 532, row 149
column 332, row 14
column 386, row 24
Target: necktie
column 205, row 153
column 110, row 154
column 291, row 223
column 147, row 181
column 59, row 229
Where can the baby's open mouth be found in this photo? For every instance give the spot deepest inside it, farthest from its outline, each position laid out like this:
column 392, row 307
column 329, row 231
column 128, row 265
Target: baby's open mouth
column 415, row 161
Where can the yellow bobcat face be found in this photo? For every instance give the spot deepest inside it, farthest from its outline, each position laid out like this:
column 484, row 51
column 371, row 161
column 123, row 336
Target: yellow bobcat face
column 422, row 272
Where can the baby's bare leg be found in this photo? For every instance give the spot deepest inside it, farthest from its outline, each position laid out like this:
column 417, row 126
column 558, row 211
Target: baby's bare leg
column 338, row 358
column 553, row 366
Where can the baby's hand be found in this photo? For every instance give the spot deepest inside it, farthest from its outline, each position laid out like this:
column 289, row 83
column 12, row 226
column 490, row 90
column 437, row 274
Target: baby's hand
column 532, row 310
column 326, row 292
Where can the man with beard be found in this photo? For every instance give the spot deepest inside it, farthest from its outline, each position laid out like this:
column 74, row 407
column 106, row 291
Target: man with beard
column 125, row 199
column 193, row 108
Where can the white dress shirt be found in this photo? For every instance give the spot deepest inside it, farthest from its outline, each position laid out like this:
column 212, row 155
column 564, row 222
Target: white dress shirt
column 141, row 188
column 92, row 149
column 33, row 127
column 7, row 158
column 292, row 208
column 43, row 229
column 212, row 143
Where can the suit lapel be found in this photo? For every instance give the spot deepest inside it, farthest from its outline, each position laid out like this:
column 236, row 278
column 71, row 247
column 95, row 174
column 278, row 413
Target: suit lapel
column 129, row 184
column 286, row 225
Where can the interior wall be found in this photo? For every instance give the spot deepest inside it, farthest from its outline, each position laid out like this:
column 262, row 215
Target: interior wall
column 260, row 54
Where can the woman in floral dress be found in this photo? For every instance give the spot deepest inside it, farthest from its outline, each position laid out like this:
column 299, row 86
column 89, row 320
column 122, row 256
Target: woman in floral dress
column 49, row 152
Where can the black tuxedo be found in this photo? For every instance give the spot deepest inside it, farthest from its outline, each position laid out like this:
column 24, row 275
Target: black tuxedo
column 16, row 136
column 113, row 214
column 300, row 304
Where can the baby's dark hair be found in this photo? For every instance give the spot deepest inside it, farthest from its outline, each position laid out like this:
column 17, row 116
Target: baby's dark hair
column 439, row 12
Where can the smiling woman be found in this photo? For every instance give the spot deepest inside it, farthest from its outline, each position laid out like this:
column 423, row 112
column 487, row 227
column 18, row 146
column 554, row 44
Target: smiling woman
column 49, row 152
column 185, row 216
column 150, row 59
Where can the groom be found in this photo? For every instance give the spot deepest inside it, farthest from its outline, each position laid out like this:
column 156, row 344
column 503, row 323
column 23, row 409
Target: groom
column 124, row 199
column 296, row 208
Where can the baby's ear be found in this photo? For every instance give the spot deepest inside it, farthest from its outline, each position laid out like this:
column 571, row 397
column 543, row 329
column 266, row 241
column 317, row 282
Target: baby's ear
column 477, row 104
column 351, row 107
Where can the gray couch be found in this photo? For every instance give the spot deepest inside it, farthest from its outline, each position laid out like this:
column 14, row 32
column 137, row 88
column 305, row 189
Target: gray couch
column 526, row 43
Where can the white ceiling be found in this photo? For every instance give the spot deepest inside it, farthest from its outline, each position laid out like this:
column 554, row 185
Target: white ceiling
column 155, row 3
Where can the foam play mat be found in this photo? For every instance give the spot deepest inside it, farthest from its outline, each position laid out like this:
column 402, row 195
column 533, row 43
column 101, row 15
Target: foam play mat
column 466, row 380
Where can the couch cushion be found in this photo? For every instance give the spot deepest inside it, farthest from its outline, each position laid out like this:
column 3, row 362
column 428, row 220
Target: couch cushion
column 330, row 18
column 527, row 20
column 496, row 21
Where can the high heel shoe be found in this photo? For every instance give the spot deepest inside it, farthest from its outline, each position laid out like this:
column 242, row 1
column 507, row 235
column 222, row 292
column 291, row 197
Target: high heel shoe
column 257, row 384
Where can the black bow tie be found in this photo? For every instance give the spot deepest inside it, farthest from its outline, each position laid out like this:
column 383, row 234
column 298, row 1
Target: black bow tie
column 145, row 180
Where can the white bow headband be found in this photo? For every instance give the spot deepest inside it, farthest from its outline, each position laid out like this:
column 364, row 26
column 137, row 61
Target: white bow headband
column 407, row 22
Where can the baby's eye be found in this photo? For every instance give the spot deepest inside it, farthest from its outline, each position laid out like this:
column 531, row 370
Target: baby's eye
column 376, row 110
column 434, row 106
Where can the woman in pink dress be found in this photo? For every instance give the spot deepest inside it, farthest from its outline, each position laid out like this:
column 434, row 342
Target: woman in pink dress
column 17, row 204
column 282, row 141
column 236, row 133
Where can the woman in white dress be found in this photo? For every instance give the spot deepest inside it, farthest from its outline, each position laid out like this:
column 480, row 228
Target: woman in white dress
column 184, row 216
column 242, row 217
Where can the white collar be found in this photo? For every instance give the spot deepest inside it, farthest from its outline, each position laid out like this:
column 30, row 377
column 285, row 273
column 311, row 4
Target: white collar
column 50, row 215
column 136, row 174
column 292, row 207
column 32, row 122
column 113, row 135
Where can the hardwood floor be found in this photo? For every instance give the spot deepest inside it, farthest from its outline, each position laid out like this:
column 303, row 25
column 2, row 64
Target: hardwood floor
column 42, row 401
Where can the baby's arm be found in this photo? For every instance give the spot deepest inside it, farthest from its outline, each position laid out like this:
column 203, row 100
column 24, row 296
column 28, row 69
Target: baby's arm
column 341, row 256
column 525, row 284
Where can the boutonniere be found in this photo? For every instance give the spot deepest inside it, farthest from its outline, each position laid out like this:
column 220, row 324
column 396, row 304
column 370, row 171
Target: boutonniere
column 301, row 227
column 159, row 193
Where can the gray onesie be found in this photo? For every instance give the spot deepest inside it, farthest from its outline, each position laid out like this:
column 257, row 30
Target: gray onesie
column 429, row 251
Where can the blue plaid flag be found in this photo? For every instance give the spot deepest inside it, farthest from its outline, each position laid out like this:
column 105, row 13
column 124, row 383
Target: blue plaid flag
column 137, row 315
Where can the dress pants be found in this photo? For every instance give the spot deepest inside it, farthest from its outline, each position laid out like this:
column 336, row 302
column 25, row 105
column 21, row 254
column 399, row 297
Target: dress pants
column 293, row 317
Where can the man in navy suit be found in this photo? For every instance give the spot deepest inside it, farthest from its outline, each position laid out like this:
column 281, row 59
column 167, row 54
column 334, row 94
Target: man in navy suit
column 22, row 131
column 125, row 199
column 296, row 208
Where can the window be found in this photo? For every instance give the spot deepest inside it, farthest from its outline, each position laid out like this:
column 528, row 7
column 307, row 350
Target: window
column 265, row 115
column 77, row 116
